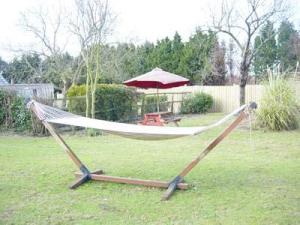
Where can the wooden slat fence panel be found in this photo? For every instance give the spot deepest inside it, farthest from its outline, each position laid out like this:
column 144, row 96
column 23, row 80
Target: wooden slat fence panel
column 226, row 98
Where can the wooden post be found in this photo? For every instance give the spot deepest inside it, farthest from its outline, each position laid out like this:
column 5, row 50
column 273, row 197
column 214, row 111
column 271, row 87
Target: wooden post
column 143, row 106
column 173, row 184
column 68, row 150
column 172, row 105
column 213, row 144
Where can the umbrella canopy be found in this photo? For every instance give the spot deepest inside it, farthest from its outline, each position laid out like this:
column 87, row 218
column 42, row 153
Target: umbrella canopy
column 157, row 78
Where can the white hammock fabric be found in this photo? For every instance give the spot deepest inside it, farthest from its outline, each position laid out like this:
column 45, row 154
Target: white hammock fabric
column 57, row 116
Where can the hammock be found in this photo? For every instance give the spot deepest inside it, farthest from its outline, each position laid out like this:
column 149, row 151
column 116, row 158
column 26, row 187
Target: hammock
column 50, row 115
column 57, row 116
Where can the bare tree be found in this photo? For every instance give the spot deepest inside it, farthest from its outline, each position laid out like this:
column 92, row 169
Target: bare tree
column 242, row 25
column 48, row 29
column 45, row 28
column 91, row 25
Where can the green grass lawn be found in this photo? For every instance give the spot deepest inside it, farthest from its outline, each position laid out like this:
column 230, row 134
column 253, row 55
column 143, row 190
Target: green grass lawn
column 243, row 181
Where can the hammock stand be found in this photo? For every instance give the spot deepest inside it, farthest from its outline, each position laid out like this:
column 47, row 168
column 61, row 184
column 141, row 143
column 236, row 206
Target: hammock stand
column 176, row 183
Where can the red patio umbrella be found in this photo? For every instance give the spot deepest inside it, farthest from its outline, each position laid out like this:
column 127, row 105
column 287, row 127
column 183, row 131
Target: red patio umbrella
column 157, row 78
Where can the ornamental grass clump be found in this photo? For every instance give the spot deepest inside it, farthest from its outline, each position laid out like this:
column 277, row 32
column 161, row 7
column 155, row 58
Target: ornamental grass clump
column 278, row 109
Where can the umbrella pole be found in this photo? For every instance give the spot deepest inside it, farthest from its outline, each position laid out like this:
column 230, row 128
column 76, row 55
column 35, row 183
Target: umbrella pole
column 157, row 102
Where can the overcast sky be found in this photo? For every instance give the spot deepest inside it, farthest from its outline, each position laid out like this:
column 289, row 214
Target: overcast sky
column 137, row 20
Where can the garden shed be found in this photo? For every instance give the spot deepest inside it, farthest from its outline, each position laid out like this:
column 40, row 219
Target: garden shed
column 41, row 91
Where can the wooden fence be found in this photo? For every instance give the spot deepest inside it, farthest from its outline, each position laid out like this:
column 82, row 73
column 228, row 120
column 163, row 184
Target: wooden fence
column 226, row 98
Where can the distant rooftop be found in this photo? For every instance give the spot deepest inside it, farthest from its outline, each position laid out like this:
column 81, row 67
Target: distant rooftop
column 2, row 80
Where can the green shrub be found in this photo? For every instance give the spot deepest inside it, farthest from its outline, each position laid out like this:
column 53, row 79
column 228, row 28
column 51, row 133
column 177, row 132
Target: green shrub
column 197, row 103
column 113, row 102
column 150, row 103
column 21, row 115
column 76, row 90
column 76, row 99
column 278, row 108
column 77, row 105
column 13, row 112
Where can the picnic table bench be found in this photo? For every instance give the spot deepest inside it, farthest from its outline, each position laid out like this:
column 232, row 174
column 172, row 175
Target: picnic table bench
column 160, row 119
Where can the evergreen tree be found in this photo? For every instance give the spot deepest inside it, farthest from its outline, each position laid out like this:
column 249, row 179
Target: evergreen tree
column 295, row 43
column 145, row 54
column 286, row 56
column 191, row 59
column 126, row 63
column 163, row 54
column 177, row 49
column 266, row 50
column 25, row 69
column 58, row 69
column 195, row 60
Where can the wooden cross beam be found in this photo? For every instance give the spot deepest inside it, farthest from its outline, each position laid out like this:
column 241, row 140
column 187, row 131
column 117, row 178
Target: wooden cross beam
column 125, row 180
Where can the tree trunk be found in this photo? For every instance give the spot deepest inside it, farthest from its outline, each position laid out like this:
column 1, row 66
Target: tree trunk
column 87, row 99
column 64, row 92
column 244, row 69
column 95, row 81
column 93, row 111
column 242, row 95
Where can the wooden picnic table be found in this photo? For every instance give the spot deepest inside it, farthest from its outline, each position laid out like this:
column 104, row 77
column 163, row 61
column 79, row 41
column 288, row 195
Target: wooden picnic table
column 160, row 119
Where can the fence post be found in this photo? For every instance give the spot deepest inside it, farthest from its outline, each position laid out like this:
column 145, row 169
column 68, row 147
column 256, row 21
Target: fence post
column 143, row 106
column 172, row 104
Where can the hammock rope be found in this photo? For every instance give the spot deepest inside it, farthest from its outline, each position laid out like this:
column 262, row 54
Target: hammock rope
column 57, row 116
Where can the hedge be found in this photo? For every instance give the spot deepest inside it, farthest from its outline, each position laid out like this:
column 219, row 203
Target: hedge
column 113, row 102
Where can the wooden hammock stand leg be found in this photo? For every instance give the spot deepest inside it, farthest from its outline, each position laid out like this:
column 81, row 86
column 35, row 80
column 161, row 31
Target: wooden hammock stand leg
column 178, row 179
column 177, row 183
column 85, row 175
